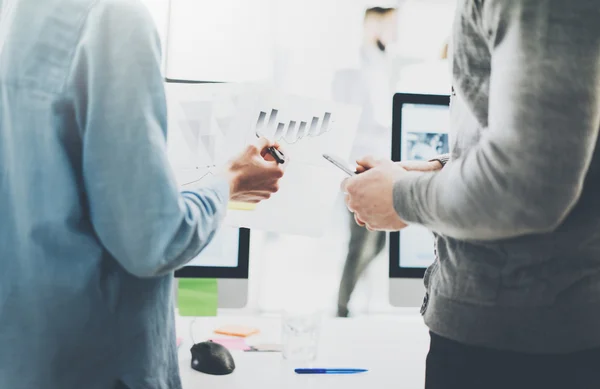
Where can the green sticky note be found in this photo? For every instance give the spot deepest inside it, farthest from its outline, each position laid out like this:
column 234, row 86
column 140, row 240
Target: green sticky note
column 197, row 297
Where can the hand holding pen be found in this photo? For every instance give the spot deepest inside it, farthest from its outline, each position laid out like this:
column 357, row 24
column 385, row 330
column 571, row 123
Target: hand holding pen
column 274, row 151
column 255, row 173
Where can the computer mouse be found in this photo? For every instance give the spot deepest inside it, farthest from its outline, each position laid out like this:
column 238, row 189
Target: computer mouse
column 212, row 358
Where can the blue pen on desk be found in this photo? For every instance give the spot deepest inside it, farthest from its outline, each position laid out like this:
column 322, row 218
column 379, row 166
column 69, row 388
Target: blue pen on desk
column 330, row 371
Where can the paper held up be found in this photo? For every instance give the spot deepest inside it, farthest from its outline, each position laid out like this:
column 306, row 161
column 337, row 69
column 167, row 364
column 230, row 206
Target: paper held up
column 302, row 206
column 305, row 128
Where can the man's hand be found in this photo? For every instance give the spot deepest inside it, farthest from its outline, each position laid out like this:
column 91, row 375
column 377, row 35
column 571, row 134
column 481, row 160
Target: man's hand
column 416, row 166
column 369, row 195
column 421, row 166
column 254, row 175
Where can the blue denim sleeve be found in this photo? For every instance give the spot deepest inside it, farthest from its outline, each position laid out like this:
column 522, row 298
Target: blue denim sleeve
column 137, row 210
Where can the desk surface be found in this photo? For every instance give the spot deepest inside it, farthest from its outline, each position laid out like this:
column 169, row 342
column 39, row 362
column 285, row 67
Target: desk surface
column 392, row 348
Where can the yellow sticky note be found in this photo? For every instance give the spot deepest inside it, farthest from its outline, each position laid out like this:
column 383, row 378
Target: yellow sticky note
column 239, row 206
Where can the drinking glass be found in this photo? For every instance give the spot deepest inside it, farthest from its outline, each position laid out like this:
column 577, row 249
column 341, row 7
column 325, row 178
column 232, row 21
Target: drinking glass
column 300, row 336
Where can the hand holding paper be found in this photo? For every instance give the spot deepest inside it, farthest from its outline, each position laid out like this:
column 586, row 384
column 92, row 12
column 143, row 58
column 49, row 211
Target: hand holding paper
column 254, row 175
column 370, row 195
column 308, row 128
column 210, row 124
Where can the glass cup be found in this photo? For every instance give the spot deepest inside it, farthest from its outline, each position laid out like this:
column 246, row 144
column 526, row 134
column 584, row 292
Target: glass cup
column 300, row 336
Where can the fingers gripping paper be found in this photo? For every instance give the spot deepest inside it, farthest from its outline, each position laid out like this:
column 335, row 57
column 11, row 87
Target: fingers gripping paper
column 306, row 128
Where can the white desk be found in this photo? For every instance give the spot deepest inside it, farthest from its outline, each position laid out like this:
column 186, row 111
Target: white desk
column 393, row 348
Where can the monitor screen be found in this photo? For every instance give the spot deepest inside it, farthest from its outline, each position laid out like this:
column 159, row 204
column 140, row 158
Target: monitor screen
column 222, row 251
column 197, row 117
column 424, row 136
column 226, row 256
column 421, row 133
column 424, row 131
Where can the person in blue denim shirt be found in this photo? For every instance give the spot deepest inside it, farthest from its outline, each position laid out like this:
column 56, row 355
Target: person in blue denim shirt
column 92, row 222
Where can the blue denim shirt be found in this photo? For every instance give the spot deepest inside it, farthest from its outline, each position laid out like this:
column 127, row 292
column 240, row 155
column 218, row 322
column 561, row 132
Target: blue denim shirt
column 92, row 222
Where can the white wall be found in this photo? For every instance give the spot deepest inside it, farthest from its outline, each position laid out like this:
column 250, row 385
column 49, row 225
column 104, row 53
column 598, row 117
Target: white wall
column 423, row 27
column 296, row 44
column 224, row 40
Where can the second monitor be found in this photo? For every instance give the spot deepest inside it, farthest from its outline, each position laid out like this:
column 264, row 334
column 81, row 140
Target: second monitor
column 191, row 148
column 225, row 258
column 419, row 132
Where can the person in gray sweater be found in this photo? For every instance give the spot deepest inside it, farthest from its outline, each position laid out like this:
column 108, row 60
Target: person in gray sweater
column 513, row 298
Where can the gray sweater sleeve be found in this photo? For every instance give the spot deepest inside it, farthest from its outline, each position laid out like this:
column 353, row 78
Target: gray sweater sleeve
column 527, row 171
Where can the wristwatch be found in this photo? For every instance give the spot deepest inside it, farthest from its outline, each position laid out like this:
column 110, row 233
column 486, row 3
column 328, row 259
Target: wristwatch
column 443, row 159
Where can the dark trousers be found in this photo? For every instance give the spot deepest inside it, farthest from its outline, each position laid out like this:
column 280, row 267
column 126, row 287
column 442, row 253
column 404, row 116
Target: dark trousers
column 363, row 248
column 453, row 365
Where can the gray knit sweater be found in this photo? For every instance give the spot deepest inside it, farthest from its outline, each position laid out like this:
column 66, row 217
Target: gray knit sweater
column 516, row 211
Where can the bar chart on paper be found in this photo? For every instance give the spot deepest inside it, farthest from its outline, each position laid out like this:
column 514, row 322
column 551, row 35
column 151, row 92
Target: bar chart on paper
column 305, row 128
column 290, row 131
column 209, row 125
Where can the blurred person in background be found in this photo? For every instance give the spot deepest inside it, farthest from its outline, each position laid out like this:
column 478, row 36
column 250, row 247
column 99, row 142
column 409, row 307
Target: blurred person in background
column 372, row 88
column 427, row 77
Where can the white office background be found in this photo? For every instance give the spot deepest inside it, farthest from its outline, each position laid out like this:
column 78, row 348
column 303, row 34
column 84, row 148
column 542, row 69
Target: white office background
column 307, row 42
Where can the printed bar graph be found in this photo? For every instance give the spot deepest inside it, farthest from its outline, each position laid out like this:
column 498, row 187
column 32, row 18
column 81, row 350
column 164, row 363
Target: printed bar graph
column 272, row 118
column 293, row 130
column 326, row 123
column 302, row 130
column 290, row 135
column 261, row 120
column 279, row 131
column 313, row 126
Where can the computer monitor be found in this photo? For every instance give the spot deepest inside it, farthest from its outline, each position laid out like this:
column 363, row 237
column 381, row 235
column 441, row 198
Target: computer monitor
column 226, row 258
column 419, row 132
column 193, row 125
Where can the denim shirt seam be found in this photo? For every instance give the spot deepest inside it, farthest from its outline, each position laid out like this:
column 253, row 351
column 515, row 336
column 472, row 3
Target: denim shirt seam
column 69, row 72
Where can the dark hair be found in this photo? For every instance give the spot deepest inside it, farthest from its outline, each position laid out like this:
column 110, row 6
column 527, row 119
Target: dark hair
column 379, row 11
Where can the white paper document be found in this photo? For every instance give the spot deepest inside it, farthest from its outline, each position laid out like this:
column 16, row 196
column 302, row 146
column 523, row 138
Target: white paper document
column 199, row 118
column 207, row 128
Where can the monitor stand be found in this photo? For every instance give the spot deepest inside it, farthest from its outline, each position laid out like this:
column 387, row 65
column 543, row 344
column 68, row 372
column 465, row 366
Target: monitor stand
column 233, row 293
column 406, row 292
